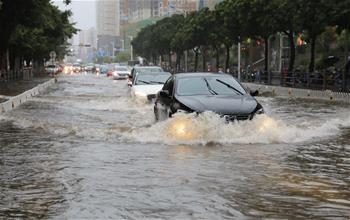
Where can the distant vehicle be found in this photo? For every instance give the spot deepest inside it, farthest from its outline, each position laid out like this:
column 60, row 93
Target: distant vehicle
column 104, row 69
column 200, row 92
column 77, row 68
column 147, row 85
column 90, row 67
column 68, row 68
column 143, row 69
column 120, row 72
column 51, row 69
column 110, row 69
column 97, row 69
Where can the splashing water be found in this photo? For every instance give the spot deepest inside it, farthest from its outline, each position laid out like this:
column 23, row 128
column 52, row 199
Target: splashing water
column 208, row 127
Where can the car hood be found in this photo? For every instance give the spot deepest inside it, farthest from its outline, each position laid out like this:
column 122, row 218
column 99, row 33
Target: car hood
column 242, row 104
column 147, row 89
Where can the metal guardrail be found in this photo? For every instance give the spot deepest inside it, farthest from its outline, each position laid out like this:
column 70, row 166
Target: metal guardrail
column 334, row 81
column 300, row 93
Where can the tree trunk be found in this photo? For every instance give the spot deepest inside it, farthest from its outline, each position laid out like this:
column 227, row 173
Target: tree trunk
column 178, row 62
column 292, row 52
column 217, row 57
column 170, row 64
column 161, row 59
column 266, row 54
column 228, row 47
column 196, row 62
column 313, row 53
column 204, row 61
column 346, row 72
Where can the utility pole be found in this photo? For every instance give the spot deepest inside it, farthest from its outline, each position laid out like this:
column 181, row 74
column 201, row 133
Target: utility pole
column 113, row 47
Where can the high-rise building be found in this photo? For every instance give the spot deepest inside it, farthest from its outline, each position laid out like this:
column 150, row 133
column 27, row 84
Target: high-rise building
column 170, row 7
column 210, row 3
column 108, row 25
column 87, row 44
column 138, row 10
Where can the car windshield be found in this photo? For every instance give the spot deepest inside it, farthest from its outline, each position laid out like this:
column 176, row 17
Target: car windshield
column 152, row 79
column 51, row 66
column 209, row 85
column 121, row 69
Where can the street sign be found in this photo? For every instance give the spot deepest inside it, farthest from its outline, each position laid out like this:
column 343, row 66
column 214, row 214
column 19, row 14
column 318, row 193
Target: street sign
column 52, row 54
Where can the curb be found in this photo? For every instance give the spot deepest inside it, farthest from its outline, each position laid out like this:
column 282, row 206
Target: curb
column 300, row 93
column 16, row 101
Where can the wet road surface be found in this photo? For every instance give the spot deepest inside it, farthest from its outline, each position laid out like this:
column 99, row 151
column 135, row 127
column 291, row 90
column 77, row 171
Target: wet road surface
column 84, row 150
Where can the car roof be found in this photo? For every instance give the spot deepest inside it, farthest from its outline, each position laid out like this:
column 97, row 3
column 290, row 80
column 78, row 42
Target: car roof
column 199, row 74
column 153, row 73
column 147, row 67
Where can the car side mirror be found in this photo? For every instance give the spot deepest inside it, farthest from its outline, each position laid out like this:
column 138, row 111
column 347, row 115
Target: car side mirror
column 254, row 93
column 164, row 94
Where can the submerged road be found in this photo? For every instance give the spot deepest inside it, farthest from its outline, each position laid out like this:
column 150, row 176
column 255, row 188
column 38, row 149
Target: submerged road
column 84, row 150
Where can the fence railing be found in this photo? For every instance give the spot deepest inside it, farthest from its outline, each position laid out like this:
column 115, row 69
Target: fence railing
column 335, row 81
column 9, row 75
column 299, row 93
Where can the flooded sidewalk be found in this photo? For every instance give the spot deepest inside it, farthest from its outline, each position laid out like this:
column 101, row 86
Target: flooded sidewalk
column 14, row 88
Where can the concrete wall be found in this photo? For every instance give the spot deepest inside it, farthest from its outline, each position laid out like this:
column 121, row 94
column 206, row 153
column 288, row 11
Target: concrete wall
column 299, row 93
column 15, row 101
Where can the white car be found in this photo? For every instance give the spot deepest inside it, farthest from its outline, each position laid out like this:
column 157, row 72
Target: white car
column 51, row 69
column 120, row 72
column 142, row 69
column 147, row 85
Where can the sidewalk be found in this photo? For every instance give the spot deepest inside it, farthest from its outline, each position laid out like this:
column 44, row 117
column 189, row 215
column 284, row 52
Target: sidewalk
column 19, row 92
column 14, row 88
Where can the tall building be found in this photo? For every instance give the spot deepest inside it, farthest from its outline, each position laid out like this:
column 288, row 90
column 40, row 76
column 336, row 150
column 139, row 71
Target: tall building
column 170, row 7
column 87, row 44
column 210, row 3
column 139, row 10
column 108, row 26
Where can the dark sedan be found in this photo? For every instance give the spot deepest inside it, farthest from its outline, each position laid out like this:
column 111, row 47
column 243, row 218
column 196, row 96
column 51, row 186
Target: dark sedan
column 200, row 92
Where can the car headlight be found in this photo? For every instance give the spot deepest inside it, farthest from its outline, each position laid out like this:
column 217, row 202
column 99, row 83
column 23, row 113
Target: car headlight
column 139, row 93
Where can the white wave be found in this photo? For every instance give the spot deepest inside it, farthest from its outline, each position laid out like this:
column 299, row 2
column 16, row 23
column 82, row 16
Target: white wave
column 210, row 128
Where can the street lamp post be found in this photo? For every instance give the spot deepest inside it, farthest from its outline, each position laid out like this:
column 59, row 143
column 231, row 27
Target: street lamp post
column 113, row 47
column 123, row 44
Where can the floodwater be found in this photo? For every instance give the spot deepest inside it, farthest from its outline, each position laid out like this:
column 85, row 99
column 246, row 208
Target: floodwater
column 84, row 150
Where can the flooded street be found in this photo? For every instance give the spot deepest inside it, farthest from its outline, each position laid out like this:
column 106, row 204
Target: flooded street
column 85, row 150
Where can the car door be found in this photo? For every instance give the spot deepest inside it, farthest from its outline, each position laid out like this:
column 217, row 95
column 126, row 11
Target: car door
column 163, row 102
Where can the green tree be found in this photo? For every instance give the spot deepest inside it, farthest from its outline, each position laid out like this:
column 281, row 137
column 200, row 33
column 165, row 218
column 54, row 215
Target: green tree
column 314, row 17
column 285, row 13
column 33, row 28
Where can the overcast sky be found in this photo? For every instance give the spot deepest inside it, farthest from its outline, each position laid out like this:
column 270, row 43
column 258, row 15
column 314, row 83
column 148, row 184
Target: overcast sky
column 84, row 12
